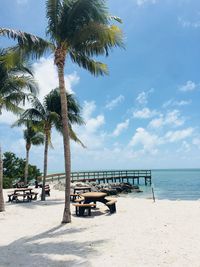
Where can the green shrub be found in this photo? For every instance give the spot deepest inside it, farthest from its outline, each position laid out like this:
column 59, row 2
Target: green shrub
column 13, row 169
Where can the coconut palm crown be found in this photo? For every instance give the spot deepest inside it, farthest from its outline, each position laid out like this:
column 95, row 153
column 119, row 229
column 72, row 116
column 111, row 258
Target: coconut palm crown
column 16, row 80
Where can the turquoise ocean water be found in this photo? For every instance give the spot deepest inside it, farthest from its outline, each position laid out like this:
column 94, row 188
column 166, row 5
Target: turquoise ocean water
column 179, row 184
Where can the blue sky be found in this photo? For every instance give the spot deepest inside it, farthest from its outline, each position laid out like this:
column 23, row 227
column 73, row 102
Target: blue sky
column 145, row 114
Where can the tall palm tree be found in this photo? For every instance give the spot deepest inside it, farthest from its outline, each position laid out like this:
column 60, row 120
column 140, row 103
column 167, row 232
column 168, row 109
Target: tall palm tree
column 16, row 82
column 79, row 29
column 46, row 116
column 31, row 137
column 2, row 206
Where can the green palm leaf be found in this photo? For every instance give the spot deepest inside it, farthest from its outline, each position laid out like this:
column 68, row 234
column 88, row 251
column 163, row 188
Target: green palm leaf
column 29, row 44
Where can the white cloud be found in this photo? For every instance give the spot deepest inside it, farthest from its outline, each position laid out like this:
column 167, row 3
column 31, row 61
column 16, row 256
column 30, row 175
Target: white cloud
column 144, row 113
column 90, row 134
column 113, row 103
column 179, row 103
column 88, row 109
column 142, row 98
column 157, row 123
column 92, row 123
column 147, row 140
column 172, row 118
column 182, row 103
column 45, row 73
column 120, row 127
column 143, row 2
column 7, row 117
column 174, row 136
column 189, row 86
column 189, row 24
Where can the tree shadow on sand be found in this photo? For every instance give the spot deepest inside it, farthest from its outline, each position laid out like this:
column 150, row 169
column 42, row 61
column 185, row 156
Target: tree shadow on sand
column 33, row 204
column 46, row 250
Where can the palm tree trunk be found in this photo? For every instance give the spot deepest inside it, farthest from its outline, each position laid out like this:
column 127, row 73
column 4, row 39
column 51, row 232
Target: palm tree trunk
column 2, row 206
column 28, row 146
column 45, row 164
column 64, row 112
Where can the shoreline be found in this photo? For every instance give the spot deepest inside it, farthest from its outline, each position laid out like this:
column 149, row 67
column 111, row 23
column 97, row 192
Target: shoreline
column 141, row 233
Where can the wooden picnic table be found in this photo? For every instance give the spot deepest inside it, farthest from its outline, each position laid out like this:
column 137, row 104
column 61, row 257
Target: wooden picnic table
column 99, row 196
column 94, row 197
column 25, row 193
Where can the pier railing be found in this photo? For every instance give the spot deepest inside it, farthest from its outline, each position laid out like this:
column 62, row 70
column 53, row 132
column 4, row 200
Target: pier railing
column 105, row 176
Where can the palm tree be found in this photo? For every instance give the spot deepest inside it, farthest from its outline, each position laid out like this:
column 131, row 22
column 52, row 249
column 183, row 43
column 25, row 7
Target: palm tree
column 31, row 137
column 79, row 29
column 2, row 206
column 46, row 116
column 15, row 83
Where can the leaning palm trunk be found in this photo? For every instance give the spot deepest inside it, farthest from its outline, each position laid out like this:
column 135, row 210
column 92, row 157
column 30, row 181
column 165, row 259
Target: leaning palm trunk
column 26, row 164
column 2, row 206
column 45, row 164
column 59, row 61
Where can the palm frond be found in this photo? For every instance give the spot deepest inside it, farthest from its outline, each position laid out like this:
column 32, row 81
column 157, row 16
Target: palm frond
column 97, row 39
column 74, row 137
column 94, row 67
column 29, row 44
column 14, row 60
column 118, row 19
column 9, row 106
column 37, row 139
column 32, row 114
column 35, row 102
column 53, row 14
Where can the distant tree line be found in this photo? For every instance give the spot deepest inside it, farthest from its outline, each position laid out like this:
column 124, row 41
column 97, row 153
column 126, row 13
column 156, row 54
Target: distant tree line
column 13, row 169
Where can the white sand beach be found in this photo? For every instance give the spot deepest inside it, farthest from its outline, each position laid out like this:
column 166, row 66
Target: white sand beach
column 141, row 233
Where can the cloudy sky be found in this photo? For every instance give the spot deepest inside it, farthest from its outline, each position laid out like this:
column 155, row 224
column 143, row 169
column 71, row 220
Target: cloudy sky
column 145, row 114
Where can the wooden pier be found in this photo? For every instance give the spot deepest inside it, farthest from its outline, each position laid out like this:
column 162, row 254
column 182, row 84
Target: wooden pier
column 130, row 176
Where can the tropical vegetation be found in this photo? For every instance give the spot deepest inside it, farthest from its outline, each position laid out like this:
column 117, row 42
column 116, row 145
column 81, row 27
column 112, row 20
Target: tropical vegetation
column 13, row 169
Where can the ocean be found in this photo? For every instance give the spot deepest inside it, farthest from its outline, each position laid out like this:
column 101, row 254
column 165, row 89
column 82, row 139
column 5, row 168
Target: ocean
column 176, row 184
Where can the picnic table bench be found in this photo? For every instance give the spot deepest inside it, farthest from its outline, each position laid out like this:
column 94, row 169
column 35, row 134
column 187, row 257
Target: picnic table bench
column 81, row 207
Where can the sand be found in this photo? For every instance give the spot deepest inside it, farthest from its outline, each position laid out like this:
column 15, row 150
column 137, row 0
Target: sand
column 141, row 233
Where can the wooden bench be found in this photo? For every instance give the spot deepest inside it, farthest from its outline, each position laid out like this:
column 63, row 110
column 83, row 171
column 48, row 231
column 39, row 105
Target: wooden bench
column 111, row 205
column 80, row 208
column 79, row 200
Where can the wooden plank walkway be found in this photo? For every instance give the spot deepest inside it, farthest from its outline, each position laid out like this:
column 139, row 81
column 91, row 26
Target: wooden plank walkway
column 131, row 176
